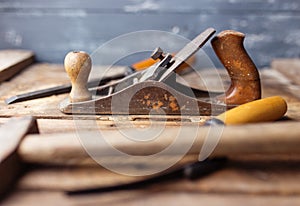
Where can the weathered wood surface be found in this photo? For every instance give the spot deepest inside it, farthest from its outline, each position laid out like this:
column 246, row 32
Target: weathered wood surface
column 72, row 178
column 272, row 175
column 148, row 198
column 249, row 180
column 14, row 61
column 290, row 68
column 11, row 135
column 70, row 148
column 266, row 141
column 40, row 76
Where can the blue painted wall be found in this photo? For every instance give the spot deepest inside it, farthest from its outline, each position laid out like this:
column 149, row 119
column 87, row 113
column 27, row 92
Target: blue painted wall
column 52, row 28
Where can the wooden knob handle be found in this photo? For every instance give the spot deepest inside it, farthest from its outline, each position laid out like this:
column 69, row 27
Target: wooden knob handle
column 245, row 81
column 263, row 110
column 78, row 66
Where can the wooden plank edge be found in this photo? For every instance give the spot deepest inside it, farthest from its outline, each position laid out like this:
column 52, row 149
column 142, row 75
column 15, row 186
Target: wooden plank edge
column 12, row 70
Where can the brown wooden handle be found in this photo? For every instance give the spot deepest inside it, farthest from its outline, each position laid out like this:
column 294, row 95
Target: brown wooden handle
column 245, row 82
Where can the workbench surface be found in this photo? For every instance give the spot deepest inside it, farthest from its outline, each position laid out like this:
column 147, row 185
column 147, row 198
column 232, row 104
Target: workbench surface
column 248, row 180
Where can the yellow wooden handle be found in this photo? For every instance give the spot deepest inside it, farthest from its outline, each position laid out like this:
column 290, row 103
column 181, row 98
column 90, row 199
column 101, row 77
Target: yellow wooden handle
column 263, row 110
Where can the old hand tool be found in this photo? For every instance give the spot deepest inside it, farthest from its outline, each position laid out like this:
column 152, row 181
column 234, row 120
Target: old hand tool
column 156, row 89
column 13, row 61
column 11, row 135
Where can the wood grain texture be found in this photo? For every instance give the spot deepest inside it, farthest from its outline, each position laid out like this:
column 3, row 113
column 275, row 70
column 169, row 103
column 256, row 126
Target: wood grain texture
column 40, row 76
column 147, row 198
column 72, row 178
column 12, row 133
column 290, row 68
column 255, row 176
column 13, row 61
column 253, row 179
column 70, row 148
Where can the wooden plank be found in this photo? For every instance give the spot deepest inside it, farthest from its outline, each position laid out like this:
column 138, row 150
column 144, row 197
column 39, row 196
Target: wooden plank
column 290, row 68
column 50, row 126
column 11, row 135
column 40, row 76
column 72, row 178
column 274, row 83
column 36, row 77
column 283, row 79
column 254, row 178
column 147, row 198
column 67, row 147
column 259, row 175
column 13, row 61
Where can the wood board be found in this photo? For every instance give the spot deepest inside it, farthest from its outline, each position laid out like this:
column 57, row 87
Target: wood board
column 14, row 61
column 256, row 175
column 11, row 134
column 290, row 68
column 41, row 76
column 269, row 182
column 148, row 198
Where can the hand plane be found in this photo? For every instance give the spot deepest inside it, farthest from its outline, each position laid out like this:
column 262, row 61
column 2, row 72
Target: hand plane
column 155, row 90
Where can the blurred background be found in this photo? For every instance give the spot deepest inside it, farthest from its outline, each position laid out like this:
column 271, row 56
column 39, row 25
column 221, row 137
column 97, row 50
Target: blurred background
column 52, row 28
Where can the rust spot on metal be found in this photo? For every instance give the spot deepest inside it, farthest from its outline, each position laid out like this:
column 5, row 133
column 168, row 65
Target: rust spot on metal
column 166, row 97
column 172, row 98
column 157, row 105
column 173, row 104
column 147, row 96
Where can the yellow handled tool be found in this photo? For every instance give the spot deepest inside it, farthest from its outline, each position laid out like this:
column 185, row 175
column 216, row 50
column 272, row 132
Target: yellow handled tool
column 263, row 110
